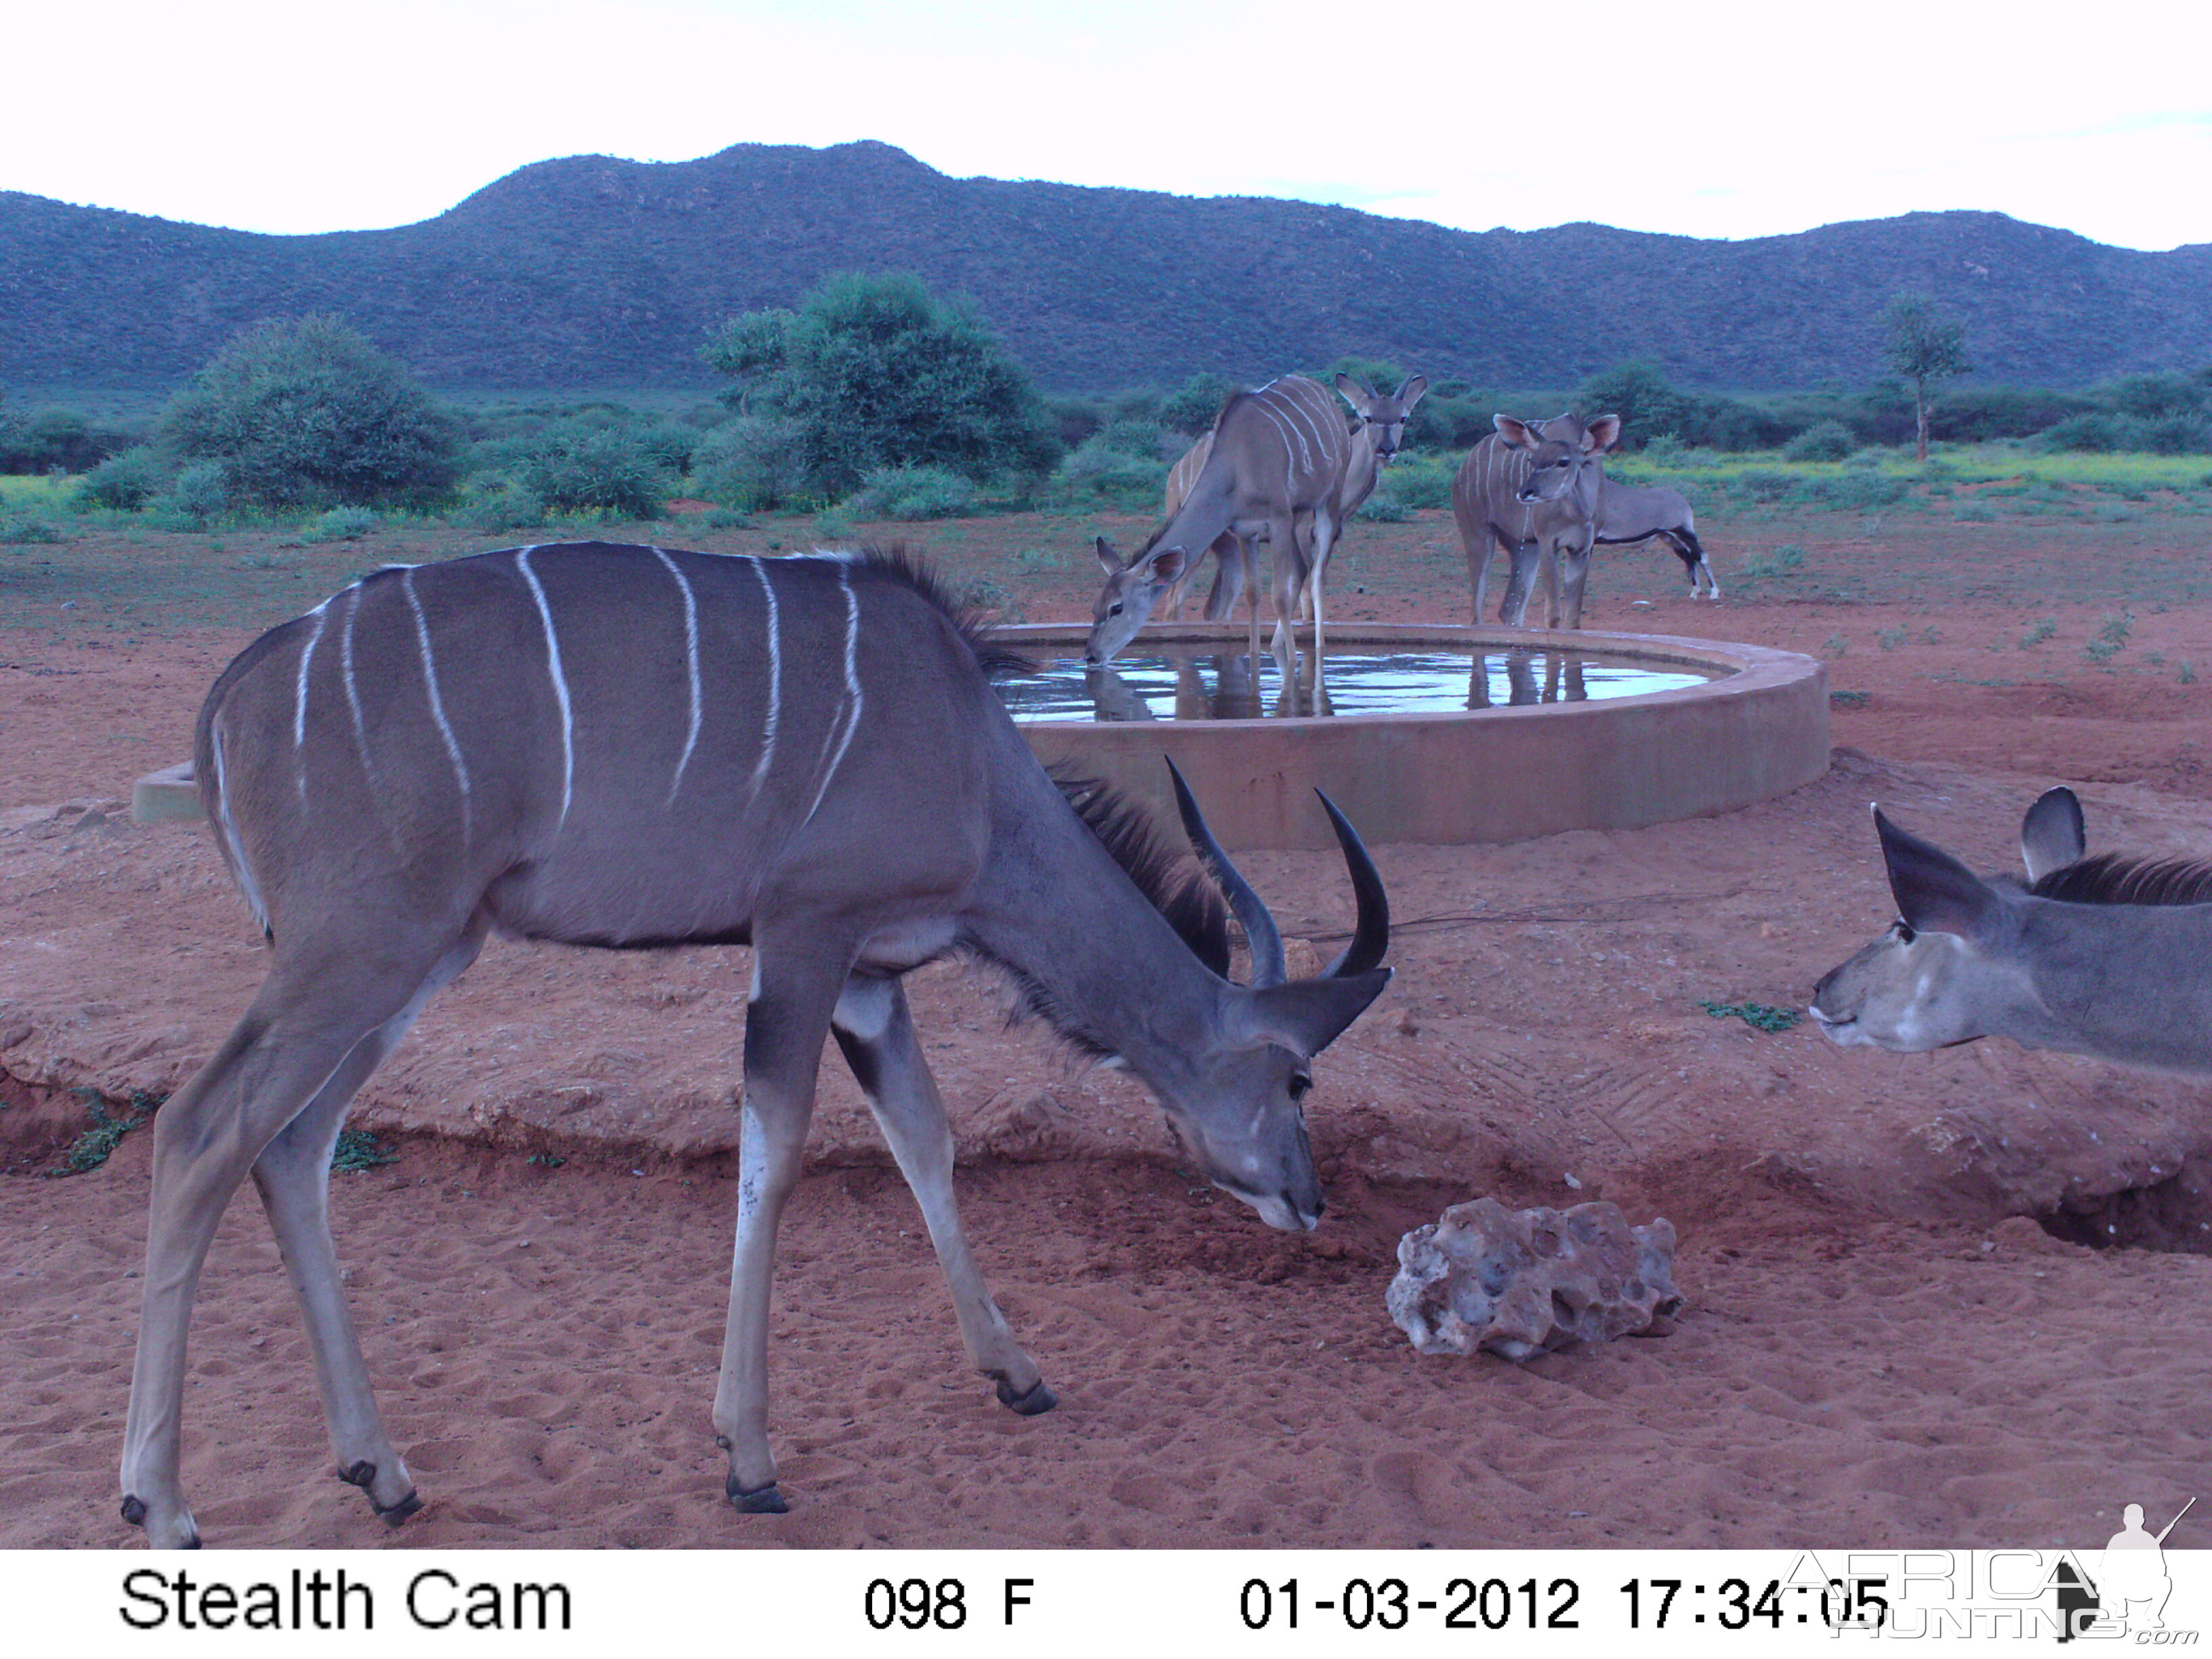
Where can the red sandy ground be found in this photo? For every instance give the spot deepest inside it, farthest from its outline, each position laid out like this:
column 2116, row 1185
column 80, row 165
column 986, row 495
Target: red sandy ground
column 1872, row 1353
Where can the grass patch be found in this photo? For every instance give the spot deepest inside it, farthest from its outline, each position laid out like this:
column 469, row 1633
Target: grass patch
column 93, row 1147
column 1851, row 699
column 1756, row 1015
column 358, row 1150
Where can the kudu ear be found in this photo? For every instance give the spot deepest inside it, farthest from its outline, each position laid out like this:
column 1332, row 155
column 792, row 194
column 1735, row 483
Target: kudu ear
column 2053, row 834
column 1306, row 1015
column 1600, row 434
column 1108, row 557
column 1166, row 564
column 1935, row 893
column 1409, row 393
column 1519, row 434
column 1356, row 392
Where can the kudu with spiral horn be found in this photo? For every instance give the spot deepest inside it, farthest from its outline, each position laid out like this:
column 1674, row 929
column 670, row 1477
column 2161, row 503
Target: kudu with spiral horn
column 631, row 746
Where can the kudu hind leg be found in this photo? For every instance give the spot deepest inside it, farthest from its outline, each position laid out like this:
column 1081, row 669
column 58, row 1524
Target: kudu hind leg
column 796, row 979
column 876, row 1034
column 293, row 1175
column 308, row 1019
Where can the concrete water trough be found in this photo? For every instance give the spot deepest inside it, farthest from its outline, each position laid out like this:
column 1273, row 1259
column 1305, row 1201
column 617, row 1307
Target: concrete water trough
column 1747, row 724
column 1553, row 751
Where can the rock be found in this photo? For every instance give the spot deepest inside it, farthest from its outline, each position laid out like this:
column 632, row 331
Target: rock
column 1519, row 1282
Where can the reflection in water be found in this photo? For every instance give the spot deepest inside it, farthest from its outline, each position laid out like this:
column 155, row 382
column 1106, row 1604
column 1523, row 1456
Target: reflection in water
column 1197, row 685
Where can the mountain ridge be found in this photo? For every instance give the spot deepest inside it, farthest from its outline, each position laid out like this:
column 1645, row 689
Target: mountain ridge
column 595, row 271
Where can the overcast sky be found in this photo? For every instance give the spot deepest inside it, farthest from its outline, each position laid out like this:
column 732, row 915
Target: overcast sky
column 1706, row 118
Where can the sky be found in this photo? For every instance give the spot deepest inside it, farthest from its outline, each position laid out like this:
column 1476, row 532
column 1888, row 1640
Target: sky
column 1702, row 117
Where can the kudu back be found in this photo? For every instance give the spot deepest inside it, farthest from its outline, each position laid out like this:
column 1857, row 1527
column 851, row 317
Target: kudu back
column 624, row 746
column 1530, row 489
column 2105, row 956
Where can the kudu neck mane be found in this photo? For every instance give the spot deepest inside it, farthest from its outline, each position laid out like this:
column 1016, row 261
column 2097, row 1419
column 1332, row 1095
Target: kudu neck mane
column 897, row 564
column 2121, row 878
column 1170, row 881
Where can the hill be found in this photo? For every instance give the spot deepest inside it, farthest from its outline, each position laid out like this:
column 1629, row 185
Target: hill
column 590, row 271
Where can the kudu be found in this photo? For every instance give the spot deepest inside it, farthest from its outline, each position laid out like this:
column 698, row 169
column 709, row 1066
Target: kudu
column 2108, row 956
column 1627, row 514
column 1531, row 489
column 1279, row 466
column 628, row 746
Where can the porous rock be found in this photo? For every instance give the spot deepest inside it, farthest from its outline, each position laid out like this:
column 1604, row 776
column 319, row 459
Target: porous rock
column 1518, row 1282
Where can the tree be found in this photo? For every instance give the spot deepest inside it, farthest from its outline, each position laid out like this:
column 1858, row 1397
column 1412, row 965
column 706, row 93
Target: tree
column 1926, row 350
column 876, row 371
column 303, row 412
column 1640, row 393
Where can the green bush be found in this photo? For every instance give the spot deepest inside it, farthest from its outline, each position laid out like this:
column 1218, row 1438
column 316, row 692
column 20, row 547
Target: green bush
column 20, row 529
column 196, row 497
column 56, row 441
column 305, row 412
column 755, row 463
column 1420, row 481
column 912, row 493
column 578, row 467
column 341, row 524
column 1825, row 440
column 126, row 482
column 1384, row 507
column 876, row 371
column 1190, row 408
column 1099, row 474
column 494, row 504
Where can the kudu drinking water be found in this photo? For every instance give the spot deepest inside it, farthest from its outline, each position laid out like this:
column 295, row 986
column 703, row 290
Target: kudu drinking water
column 627, row 746
column 1279, row 466
column 2108, row 956
column 1531, row 489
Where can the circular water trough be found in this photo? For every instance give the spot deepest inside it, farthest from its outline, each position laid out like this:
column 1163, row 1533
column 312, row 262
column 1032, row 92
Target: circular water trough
column 1757, row 729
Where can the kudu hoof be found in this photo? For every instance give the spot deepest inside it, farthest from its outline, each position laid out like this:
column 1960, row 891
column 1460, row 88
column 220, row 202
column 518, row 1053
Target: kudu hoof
column 1035, row 1402
column 362, row 1474
column 756, row 1500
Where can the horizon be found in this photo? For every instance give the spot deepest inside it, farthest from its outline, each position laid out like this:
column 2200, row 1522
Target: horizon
column 1718, row 120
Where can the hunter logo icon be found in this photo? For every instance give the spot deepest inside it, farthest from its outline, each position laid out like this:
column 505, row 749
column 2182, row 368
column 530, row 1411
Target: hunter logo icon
column 2131, row 1584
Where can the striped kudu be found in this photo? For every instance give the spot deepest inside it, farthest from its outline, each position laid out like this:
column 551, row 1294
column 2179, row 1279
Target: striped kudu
column 625, row 746
column 1279, row 466
column 1531, row 489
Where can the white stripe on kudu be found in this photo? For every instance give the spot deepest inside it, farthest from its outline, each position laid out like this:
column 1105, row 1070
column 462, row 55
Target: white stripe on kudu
column 775, row 677
column 560, row 682
column 352, row 597
column 691, row 658
column 437, row 703
column 841, row 731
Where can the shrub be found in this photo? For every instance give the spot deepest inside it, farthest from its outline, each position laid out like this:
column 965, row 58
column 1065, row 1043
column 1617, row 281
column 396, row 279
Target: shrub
column 1977, row 414
column 56, row 441
column 1766, row 486
column 577, row 466
column 1384, row 507
column 18, row 529
column 126, row 482
column 197, row 495
column 1421, row 481
column 1974, row 512
column 1099, row 474
column 755, row 463
column 494, row 504
column 911, row 493
column 305, row 412
column 876, row 371
column 1191, row 407
column 1823, row 441
column 341, row 524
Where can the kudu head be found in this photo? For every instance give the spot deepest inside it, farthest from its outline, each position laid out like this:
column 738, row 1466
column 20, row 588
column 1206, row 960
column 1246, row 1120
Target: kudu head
column 1238, row 1103
column 1944, row 971
column 1560, row 451
column 1132, row 591
column 1384, row 418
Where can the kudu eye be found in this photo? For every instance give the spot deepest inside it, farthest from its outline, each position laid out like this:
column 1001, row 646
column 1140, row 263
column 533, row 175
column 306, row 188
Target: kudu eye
column 1115, row 608
column 1299, row 1084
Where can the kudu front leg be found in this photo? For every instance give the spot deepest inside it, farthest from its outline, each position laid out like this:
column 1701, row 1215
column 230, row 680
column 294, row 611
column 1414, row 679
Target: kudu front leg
column 1573, row 576
column 876, row 1035
column 795, row 988
column 1526, row 558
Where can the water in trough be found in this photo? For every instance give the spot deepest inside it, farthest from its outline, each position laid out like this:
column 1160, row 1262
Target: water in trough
column 1204, row 682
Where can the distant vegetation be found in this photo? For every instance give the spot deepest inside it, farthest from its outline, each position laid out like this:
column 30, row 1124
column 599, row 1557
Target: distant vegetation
column 882, row 401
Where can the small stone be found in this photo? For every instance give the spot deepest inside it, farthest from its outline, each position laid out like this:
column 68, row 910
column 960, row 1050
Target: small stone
column 1518, row 1283
column 1407, row 1025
